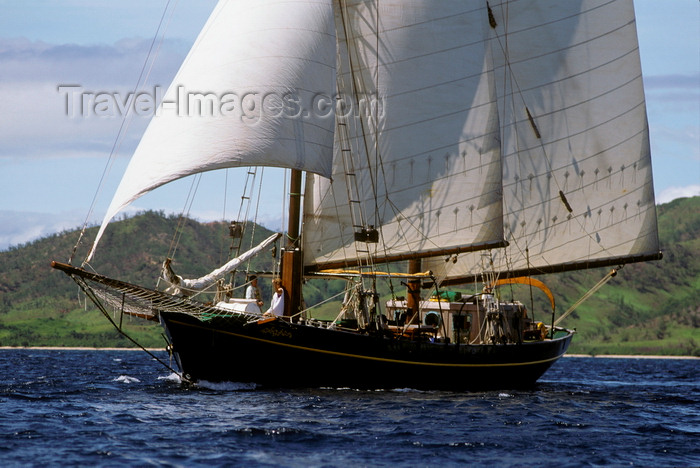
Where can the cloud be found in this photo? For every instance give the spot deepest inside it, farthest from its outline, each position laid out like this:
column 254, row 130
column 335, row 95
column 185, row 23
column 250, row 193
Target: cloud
column 17, row 227
column 673, row 95
column 115, row 64
column 678, row 81
column 671, row 193
column 36, row 121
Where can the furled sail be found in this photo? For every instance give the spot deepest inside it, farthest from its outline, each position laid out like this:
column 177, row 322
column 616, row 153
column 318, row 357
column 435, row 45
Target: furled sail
column 243, row 97
column 180, row 285
column 577, row 181
column 417, row 131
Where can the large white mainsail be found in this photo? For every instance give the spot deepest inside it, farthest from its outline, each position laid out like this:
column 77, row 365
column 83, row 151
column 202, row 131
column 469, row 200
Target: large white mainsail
column 576, row 160
column 241, row 98
column 429, row 154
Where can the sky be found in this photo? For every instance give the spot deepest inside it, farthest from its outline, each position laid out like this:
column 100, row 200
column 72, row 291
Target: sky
column 54, row 152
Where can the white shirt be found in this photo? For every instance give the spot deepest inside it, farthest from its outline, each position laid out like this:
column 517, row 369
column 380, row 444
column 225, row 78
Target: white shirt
column 252, row 292
column 277, row 305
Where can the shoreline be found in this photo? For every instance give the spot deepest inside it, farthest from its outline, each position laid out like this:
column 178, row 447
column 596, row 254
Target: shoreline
column 77, row 348
column 630, row 356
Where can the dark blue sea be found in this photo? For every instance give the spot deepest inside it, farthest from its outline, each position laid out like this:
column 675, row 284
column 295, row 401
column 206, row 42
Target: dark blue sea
column 122, row 408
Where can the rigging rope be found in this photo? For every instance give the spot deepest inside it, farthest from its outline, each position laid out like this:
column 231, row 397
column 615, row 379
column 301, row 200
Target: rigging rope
column 223, row 217
column 257, row 207
column 95, row 298
column 588, row 294
column 126, row 121
column 177, row 235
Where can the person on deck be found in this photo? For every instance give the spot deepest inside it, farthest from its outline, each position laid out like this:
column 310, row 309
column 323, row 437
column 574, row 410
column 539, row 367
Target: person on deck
column 253, row 292
column 277, row 305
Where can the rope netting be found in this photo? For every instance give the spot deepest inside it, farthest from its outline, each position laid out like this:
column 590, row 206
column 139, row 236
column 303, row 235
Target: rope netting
column 138, row 301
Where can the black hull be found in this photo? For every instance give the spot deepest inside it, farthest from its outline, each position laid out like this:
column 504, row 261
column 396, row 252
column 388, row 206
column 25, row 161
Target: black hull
column 275, row 353
column 217, row 347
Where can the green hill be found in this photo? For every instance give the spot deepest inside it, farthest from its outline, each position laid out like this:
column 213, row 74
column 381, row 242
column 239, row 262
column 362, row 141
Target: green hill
column 41, row 306
column 649, row 308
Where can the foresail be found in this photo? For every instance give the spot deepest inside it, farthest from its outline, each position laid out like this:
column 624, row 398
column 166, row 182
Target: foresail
column 244, row 96
column 577, row 178
column 418, row 133
column 180, row 285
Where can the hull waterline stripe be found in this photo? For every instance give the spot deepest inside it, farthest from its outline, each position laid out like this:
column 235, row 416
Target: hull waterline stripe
column 370, row 358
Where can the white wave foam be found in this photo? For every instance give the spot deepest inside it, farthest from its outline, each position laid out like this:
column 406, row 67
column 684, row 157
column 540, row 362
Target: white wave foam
column 126, row 379
column 171, row 378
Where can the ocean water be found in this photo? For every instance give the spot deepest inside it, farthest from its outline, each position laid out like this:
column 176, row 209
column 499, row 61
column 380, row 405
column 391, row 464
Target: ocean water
column 122, row 408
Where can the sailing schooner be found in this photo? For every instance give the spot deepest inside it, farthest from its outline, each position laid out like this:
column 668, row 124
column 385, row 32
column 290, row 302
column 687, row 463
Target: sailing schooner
column 429, row 142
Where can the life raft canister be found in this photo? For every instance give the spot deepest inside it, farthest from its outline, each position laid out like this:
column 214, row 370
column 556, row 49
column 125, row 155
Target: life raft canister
column 432, row 319
column 543, row 330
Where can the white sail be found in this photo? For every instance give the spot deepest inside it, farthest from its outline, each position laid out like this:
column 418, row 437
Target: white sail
column 576, row 159
column 430, row 153
column 244, row 96
column 180, row 285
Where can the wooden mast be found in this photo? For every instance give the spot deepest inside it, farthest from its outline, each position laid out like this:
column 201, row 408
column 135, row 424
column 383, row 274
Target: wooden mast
column 291, row 257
